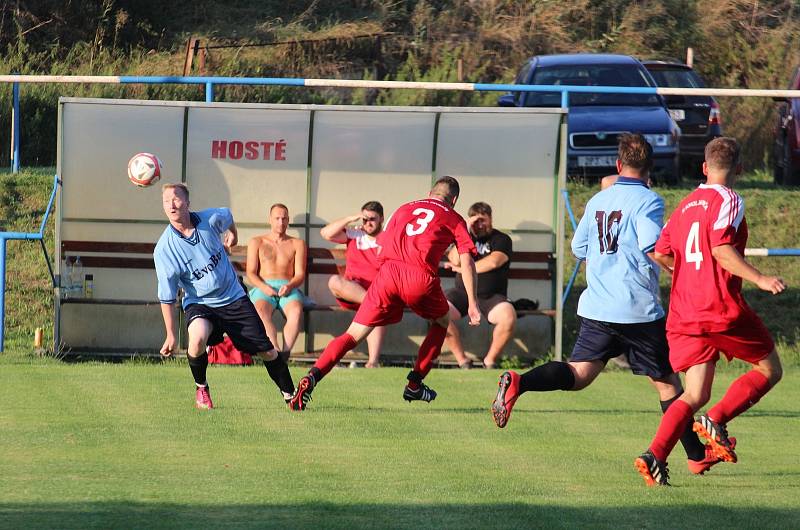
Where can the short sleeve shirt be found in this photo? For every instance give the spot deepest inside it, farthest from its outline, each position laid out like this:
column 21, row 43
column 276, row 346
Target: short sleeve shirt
column 197, row 263
column 619, row 227
column 705, row 297
column 361, row 256
column 494, row 281
column 419, row 232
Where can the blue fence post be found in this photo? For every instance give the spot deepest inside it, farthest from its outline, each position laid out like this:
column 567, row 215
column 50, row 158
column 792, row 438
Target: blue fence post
column 209, row 92
column 15, row 129
column 2, row 292
column 564, row 99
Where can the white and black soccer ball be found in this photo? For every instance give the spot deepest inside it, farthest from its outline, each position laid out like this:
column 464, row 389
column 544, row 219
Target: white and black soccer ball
column 144, row 169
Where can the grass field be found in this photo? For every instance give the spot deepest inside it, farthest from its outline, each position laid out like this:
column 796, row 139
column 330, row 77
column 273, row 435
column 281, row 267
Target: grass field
column 101, row 445
column 119, row 445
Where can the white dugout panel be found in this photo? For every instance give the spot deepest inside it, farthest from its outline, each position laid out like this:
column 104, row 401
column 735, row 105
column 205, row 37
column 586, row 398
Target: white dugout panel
column 323, row 162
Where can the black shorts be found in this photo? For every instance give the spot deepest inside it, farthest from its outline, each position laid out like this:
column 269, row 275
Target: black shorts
column 238, row 319
column 458, row 298
column 644, row 344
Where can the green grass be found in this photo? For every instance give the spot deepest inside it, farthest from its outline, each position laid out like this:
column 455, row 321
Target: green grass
column 119, row 445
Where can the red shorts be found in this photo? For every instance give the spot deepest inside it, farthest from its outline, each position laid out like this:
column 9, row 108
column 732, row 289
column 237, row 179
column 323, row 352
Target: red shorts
column 749, row 341
column 347, row 304
column 396, row 286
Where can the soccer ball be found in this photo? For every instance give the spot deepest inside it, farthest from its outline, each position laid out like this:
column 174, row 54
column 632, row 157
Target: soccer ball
column 144, row 169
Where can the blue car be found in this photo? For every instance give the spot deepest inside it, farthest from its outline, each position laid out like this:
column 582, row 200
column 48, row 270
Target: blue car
column 595, row 120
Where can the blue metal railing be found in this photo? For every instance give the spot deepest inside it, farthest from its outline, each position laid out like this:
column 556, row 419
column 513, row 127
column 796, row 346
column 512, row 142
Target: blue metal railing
column 37, row 236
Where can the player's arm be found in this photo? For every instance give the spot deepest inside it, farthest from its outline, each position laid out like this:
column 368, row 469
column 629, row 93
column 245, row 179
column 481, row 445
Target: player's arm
column 169, row 313
column 729, row 259
column 230, row 237
column 299, row 268
column 580, row 241
column 665, row 261
column 253, row 266
column 168, row 296
column 470, row 277
column 336, row 231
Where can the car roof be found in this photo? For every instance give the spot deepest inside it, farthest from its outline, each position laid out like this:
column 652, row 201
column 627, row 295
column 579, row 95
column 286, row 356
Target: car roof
column 583, row 58
column 666, row 65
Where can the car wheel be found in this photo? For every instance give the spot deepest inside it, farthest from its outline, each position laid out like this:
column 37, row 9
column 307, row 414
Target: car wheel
column 791, row 176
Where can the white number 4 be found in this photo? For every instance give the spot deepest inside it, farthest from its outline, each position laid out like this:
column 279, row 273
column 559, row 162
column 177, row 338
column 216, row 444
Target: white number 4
column 425, row 217
column 693, row 252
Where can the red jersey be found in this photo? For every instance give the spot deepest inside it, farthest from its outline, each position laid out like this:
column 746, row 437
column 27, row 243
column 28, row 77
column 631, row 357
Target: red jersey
column 361, row 256
column 419, row 232
column 705, row 297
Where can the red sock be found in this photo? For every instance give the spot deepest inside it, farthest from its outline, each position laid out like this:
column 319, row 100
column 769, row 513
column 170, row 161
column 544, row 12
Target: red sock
column 430, row 349
column 741, row 395
column 334, row 351
column 673, row 423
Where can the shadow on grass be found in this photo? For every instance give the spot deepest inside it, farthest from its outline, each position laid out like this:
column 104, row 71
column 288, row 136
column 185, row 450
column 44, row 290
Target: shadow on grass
column 658, row 513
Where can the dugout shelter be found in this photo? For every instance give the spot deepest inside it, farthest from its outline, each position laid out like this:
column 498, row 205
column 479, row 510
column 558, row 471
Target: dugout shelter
column 323, row 162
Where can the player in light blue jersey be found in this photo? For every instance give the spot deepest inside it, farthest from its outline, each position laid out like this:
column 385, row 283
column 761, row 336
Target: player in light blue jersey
column 620, row 310
column 192, row 255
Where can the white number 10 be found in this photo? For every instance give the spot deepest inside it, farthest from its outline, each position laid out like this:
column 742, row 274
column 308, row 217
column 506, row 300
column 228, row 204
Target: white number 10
column 693, row 252
column 425, row 217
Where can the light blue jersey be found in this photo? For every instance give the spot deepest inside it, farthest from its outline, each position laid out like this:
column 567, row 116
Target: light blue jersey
column 619, row 226
column 197, row 263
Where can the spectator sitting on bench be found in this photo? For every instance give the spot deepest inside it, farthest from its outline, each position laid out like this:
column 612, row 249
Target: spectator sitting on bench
column 276, row 267
column 361, row 265
column 492, row 263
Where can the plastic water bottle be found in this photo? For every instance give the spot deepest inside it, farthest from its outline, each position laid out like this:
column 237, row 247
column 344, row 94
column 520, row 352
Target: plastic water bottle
column 66, row 279
column 76, row 278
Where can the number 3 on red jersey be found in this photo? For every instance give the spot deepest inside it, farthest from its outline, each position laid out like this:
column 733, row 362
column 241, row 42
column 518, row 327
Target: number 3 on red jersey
column 424, row 218
column 693, row 253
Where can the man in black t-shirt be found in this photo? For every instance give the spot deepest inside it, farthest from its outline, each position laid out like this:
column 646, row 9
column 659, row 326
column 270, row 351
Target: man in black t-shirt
column 492, row 263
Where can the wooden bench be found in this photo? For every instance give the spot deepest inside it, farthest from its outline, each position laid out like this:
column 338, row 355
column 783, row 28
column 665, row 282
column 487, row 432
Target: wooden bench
column 321, row 261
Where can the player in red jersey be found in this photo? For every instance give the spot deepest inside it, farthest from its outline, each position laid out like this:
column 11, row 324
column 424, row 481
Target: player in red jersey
column 703, row 243
column 361, row 265
column 412, row 245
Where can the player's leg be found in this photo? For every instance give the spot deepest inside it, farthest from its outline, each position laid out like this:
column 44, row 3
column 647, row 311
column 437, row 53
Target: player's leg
column 199, row 330
column 244, row 327
column 504, row 317
column 429, row 350
column 374, row 346
column 345, row 289
column 648, row 354
column 453, row 338
column 596, row 343
column 669, row 390
column 652, row 464
column 293, row 311
column 333, row 353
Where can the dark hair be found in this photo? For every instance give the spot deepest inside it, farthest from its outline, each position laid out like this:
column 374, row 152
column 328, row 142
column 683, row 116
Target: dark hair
column 373, row 206
column 635, row 152
column 480, row 208
column 722, row 153
column 446, row 187
column 278, row 205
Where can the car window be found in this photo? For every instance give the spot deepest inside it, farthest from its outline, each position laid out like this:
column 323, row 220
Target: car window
column 679, row 78
column 591, row 75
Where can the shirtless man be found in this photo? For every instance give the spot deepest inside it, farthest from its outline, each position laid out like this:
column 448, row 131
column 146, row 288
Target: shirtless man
column 276, row 267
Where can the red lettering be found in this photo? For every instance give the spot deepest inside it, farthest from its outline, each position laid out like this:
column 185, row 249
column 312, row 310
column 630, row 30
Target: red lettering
column 280, row 150
column 218, row 148
column 235, row 149
column 267, row 148
column 251, row 149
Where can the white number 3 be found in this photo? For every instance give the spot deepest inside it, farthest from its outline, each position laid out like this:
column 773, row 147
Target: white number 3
column 693, row 252
column 425, row 217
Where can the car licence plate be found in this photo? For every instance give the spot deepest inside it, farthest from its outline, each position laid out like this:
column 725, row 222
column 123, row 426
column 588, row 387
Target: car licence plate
column 597, row 161
column 677, row 114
